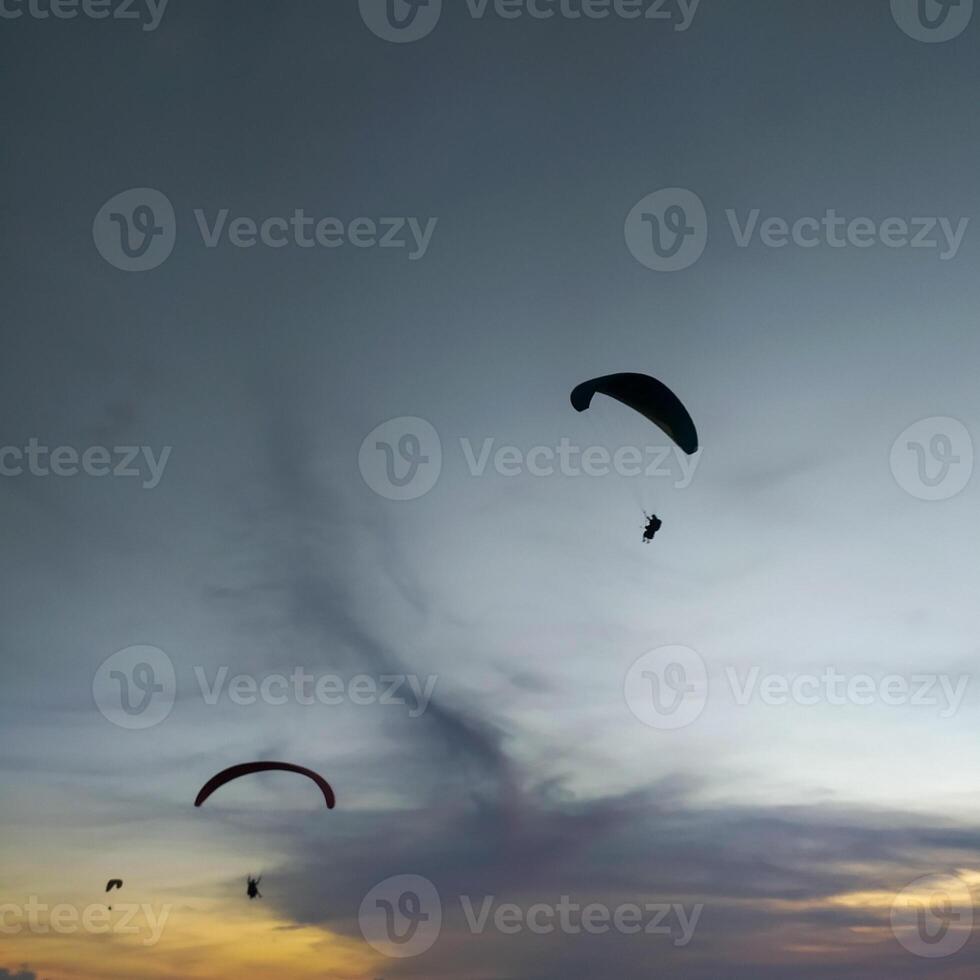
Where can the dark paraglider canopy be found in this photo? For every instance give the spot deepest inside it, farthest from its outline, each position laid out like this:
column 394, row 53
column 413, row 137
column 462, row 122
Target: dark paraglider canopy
column 113, row 883
column 649, row 397
column 248, row 768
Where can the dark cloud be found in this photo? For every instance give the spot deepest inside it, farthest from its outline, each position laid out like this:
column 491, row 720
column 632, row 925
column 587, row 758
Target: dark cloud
column 476, row 822
column 771, row 880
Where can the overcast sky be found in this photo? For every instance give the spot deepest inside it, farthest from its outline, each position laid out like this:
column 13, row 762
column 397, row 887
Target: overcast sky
column 302, row 295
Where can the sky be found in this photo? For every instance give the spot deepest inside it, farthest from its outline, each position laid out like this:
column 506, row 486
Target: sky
column 295, row 297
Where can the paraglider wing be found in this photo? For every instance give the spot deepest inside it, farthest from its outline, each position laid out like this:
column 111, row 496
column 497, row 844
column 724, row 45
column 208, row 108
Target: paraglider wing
column 114, row 883
column 649, row 397
column 248, row 768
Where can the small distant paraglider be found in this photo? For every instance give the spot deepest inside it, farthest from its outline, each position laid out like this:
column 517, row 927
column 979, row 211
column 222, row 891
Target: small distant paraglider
column 653, row 400
column 113, row 883
column 654, row 524
column 253, row 887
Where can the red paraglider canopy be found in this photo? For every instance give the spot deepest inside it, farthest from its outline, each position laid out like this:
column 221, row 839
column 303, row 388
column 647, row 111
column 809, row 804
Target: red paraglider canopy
column 246, row 769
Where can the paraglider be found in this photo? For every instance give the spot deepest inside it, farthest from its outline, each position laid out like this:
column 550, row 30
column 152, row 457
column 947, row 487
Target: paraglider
column 649, row 397
column 654, row 524
column 653, row 400
column 248, row 768
column 113, row 883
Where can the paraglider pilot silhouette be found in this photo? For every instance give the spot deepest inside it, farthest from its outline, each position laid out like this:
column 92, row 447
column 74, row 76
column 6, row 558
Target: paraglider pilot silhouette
column 654, row 524
column 651, row 399
column 253, row 887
